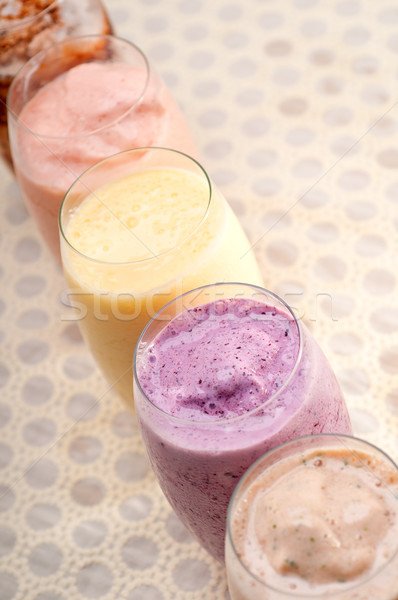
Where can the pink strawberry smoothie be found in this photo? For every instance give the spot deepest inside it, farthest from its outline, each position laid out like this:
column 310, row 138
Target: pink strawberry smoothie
column 89, row 112
column 221, row 384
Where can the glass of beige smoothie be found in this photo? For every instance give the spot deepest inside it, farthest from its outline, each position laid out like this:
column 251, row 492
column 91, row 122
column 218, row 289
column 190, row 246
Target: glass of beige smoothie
column 77, row 102
column 315, row 518
column 137, row 230
column 28, row 26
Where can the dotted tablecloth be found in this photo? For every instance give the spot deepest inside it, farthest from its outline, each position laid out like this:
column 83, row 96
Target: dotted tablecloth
column 293, row 105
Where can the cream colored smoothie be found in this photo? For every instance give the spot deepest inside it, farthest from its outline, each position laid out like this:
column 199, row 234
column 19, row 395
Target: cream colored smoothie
column 138, row 242
column 97, row 96
column 318, row 522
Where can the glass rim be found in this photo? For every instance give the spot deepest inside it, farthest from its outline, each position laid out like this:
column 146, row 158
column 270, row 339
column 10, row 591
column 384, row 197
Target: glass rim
column 38, row 57
column 287, row 593
column 89, row 192
column 19, row 23
column 238, row 418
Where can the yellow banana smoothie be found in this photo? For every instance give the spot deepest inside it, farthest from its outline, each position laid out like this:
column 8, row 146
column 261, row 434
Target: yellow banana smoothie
column 136, row 243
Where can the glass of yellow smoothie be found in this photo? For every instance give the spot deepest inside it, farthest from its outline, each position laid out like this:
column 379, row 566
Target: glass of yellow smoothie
column 137, row 230
column 316, row 517
column 76, row 103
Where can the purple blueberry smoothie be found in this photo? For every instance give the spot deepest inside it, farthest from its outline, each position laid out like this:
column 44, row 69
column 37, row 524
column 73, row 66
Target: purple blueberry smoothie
column 220, row 384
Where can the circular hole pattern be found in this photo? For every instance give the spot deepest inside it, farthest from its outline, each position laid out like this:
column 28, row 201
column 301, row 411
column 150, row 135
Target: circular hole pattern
column 30, row 286
column 7, row 498
column 27, row 250
column 88, row 492
column 94, row 580
column 379, row 282
column 354, row 381
column 323, row 233
column 7, row 540
column 177, row 530
column 131, row 467
column 43, row 516
column 85, row 449
column 124, row 425
column 39, row 432
column 37, row 389
column 45, row 559
column 346, row 343
column 191, row 575
column 145, row 592
column 136, row 508
column 33, row 319
column 4, row 375
column 89, row 534
column 300, row 136
column 388, row 360
column 278, row 48
column 140, row 553
column 82, row 407
column 330, row 268
column 370, row 246
column 384, row 320
column 33, row 352
column 282, row 253
column 392, row 402
column 293, row 107
column 78, row 367
column 41, row 474
column 363, row 422
column 8, row 586
column 6, row 455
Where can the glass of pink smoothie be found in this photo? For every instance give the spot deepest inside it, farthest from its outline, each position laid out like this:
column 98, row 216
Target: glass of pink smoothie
column 28, row 26
column 76, row 103
column 316, row 517
column 221, row 375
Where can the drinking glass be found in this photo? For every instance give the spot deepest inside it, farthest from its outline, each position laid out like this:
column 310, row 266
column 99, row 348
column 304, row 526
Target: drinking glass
column 30, row 26
column 199, row 460
column 77, row 102
column 245, row 584
column 138, row 229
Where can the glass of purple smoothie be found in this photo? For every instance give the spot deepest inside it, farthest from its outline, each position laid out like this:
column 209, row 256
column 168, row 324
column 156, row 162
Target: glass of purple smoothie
column 223, row 374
